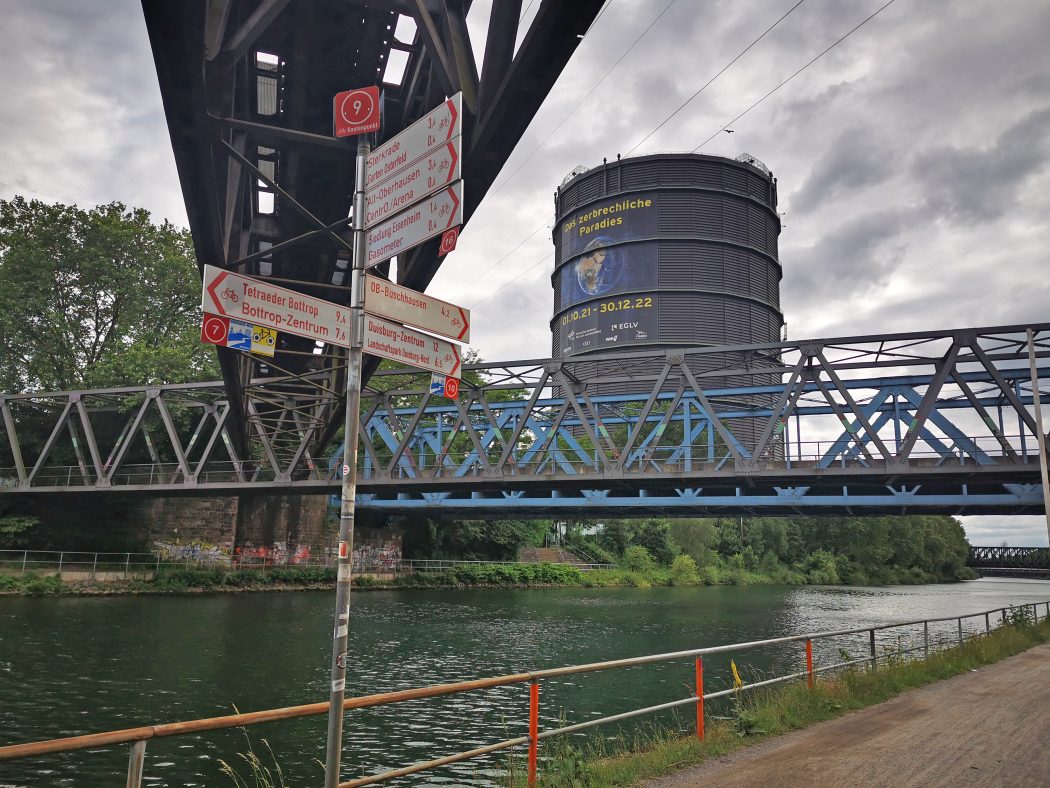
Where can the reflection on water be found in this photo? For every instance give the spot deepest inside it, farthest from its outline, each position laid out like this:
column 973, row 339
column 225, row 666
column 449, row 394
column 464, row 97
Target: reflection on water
column 77, row 665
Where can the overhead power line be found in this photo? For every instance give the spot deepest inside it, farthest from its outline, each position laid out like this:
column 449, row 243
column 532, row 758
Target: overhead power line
column 810, row 63
column 707, row 84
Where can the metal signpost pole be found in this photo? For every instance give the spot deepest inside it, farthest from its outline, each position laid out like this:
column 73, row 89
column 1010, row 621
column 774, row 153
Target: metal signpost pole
column 1041, row 437
column 346, row 510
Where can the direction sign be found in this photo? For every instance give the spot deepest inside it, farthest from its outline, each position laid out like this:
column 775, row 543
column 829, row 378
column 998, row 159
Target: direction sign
column 419, row 223
column 387, row 299
column 262, row 304
column 440, row 125
column 399, row 343
column 427, row 175
column 356, row 111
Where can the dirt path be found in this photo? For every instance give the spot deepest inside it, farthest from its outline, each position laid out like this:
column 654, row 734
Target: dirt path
column 986, row 728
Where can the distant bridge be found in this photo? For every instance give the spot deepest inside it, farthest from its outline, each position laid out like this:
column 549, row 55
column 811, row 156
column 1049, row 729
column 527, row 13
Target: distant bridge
column 1027, row 558
column 915, row 422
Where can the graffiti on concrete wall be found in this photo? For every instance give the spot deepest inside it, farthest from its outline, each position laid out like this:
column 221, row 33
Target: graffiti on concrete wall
column 197, row 552
column 279, row 554
column 377, row 556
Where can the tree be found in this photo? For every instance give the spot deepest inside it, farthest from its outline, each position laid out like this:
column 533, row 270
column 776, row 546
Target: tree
column 95, row 298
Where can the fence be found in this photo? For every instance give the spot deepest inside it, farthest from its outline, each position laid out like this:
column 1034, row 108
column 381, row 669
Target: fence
column 138, row 737
column 121, row 566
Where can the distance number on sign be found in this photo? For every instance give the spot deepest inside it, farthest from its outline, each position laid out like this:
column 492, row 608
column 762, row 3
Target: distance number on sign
column 606, row 307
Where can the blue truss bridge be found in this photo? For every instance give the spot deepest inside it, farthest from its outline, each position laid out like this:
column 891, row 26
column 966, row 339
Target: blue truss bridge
column 937, row 421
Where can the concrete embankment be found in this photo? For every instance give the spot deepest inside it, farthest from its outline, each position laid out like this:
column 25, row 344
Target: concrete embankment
column 990, row 727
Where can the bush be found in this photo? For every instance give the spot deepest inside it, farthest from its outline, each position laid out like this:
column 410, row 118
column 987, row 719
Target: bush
column 684, row 572
column 637, row 559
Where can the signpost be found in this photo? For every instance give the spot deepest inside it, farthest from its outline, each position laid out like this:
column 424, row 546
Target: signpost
column 435, row 170
column 386, row 299
column 356, row 112
column 424, row 220
column 442, row 124
column 399, row 343
column 418, row 173
column 258, row 302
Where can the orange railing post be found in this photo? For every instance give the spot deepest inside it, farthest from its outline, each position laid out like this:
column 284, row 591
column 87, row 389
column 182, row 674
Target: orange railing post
column 534, row 729
column 809, row 663
column 700, row 697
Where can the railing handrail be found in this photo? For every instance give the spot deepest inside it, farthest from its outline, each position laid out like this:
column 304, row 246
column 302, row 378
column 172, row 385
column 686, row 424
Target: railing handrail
column 143, row 733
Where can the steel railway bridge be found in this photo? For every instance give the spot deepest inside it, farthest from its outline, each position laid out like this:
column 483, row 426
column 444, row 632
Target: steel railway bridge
column 938, row 421
column 934, row 422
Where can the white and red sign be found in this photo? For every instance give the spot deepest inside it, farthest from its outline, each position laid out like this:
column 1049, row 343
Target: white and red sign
column 427, row 175
column 448, row 241
column 444, row 386
column 424, row 220
column 386, row 299
column 408, row 346
column 442, row 124
column 260, row 303
column 356, row 112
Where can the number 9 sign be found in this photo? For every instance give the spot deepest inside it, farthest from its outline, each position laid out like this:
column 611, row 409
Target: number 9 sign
column 356, row 111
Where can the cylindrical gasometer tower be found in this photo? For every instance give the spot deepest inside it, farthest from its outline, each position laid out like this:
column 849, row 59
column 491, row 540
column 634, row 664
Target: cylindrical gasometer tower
column 662, row 251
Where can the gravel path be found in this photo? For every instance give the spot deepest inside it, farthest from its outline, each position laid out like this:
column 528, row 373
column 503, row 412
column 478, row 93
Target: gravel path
column 989, row 727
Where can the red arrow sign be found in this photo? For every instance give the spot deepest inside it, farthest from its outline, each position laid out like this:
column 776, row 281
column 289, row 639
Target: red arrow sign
column 408, row 186
column 404, row 305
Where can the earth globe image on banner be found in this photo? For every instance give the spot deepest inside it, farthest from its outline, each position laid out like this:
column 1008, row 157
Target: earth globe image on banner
column 599, row 268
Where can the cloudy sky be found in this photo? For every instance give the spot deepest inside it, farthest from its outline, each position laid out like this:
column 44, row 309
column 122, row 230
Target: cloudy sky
column 912, row 159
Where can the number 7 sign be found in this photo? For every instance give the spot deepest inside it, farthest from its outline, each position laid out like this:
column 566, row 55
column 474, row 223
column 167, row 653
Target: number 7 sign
column 356, row 111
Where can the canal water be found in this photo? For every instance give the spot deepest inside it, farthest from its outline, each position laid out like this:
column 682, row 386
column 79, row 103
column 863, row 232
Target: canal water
column 74, row 665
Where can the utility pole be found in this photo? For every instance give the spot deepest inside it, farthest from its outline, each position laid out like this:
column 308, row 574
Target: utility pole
column 1041, row 435
column 351, row 428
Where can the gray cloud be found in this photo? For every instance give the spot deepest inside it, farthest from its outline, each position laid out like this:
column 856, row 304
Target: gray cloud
column 979, row 185
column 856, row 160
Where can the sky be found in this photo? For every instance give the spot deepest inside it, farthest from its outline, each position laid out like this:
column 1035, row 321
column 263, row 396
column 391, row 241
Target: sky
column 912, row 158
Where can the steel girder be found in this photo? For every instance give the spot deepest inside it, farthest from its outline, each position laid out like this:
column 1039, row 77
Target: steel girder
column 937, row 421
column 247, row 87
column 1010, row 557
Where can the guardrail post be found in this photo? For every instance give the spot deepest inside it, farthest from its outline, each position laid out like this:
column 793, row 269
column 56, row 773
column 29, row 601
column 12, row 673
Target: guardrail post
column 60, row 557
column 809, row 663
column 156, row 571
column 534, row 729
column 987, row 625
column 960, row 631
column 25, row 557
column 700, row 698
column 127, row 564
column 926, row 639
column 135, row 762
column 871, row 642
column 94, row 567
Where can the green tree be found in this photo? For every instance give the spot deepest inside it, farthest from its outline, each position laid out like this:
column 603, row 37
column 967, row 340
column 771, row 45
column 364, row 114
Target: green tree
column 94, row 298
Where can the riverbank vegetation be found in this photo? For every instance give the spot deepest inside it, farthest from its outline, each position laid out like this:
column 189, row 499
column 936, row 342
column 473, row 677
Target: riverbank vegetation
column 757, row 715
column 727, row 550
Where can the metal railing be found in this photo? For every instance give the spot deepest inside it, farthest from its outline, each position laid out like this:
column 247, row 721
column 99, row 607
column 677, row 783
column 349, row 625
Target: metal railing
column 118, row 566
column 138, row 737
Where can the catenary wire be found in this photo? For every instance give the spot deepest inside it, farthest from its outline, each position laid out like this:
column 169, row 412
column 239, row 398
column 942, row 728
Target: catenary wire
column 810, row 63
column 707, row 84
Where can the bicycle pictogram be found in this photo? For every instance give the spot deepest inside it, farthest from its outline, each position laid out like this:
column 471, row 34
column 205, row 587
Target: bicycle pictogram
column 229, row 295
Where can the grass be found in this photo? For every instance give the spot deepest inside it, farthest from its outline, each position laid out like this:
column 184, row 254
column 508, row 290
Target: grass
column 654, row 751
